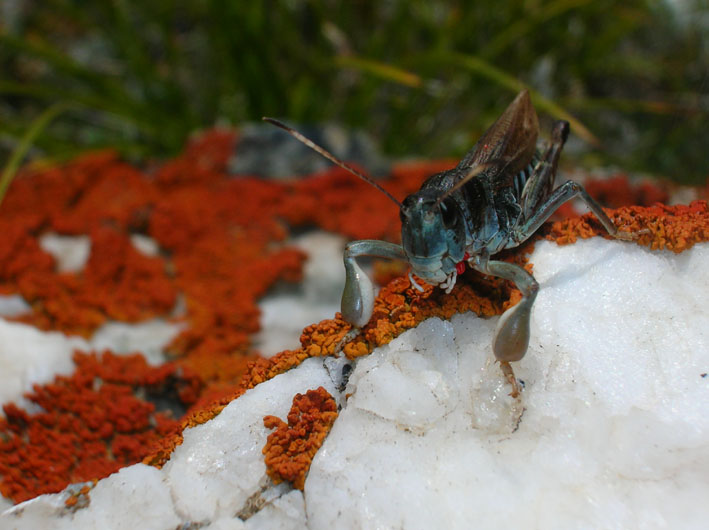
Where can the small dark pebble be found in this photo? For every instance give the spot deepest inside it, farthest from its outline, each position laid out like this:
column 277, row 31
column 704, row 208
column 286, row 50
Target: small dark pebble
column 346, row 372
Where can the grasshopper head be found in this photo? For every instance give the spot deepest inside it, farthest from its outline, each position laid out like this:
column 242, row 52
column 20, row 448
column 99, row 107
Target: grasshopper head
column 433, row 236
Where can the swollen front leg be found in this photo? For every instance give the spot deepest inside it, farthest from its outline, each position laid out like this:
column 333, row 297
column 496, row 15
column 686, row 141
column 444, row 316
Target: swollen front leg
column 358, row 296
column 511, row 338
column 513, row 329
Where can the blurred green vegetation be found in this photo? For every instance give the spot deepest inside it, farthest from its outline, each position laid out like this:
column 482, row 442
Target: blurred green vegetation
column 424, row 77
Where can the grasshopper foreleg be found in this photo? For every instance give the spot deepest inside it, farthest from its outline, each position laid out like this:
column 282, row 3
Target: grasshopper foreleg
column 358, row 296
column 512, row 333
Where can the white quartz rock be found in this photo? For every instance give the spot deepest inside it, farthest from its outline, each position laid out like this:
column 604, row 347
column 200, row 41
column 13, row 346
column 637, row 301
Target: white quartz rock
column 403, row 385
column 149, row 338
column 284, row 315
column 611, row 430
column 135, row 497
column 286, row 512
column 29, row 356
column 12, row 305
column 70, row 252
column 219, row 465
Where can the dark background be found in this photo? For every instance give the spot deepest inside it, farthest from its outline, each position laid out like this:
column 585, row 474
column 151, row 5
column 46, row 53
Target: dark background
column 423, row 77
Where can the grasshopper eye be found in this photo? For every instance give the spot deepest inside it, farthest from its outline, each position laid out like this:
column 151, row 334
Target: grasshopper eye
column 449, row 214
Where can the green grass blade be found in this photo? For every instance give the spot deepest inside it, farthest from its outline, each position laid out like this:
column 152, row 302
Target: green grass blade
column 64, row 63
column 628, row 106
column 516, row 31
column 98, row 86
column 142, row 121
column 379, row 69
column 18, row 154
column 485, row 69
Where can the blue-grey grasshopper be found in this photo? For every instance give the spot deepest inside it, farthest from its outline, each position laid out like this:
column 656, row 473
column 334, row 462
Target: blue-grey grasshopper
column 495, row 199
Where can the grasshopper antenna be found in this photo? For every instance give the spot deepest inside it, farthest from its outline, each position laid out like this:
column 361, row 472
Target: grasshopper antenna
column 315, row 147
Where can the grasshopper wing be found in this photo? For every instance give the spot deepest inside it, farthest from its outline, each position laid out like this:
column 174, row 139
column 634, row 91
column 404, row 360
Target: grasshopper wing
column 508, row 145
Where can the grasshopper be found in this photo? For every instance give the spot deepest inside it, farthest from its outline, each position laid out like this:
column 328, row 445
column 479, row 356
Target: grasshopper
column 495, row 198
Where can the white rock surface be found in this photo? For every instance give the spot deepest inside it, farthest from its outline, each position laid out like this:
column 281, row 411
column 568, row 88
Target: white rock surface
column 611, row 430
column 286, row 512
column 145, row 245
column 284, row 315
column 220, row 466
column 71, row 252
column 217, row 473
column 13, row 305
column 135, row 497
column 29, row 356
column 149, row 338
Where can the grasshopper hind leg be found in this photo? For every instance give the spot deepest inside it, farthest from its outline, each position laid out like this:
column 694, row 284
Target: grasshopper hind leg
column 539, row 200
column 540, row 184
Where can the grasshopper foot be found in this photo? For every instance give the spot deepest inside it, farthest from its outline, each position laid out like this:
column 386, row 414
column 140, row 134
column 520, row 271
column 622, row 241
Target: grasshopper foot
column 511, row 379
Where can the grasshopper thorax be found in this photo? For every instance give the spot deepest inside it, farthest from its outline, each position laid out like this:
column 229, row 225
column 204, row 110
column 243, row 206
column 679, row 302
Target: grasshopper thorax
column 432, row 234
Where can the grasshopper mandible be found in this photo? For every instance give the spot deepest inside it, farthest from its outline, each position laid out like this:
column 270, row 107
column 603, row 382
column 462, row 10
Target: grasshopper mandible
column 496, row 198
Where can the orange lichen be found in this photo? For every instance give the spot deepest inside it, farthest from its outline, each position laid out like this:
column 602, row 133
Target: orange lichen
column 676, row 228
column 91, row 423
column 617, row 191
column 336, row 201
column 290, row 449
column 80, row 498
column 118, row 283
column 20, row 254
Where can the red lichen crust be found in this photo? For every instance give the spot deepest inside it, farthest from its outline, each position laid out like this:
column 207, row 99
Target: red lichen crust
column 91, row 424
column 660, row 227
column 616, row 191
column 291, row 447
